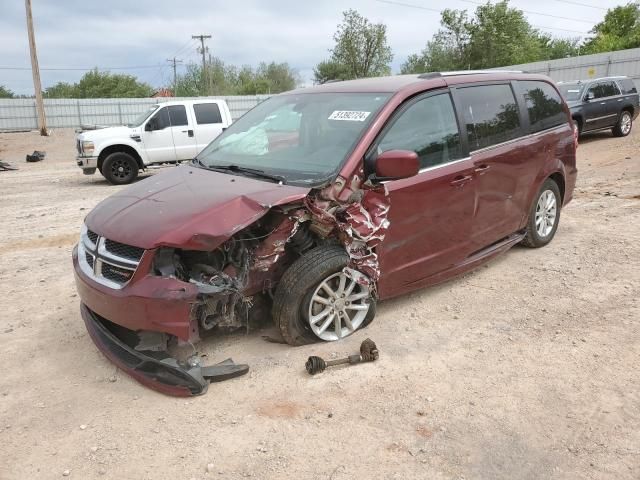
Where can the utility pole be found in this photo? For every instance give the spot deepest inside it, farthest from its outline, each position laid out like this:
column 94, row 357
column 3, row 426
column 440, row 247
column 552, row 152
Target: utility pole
column 203, row 51
column 35, row 70
column 175, row 73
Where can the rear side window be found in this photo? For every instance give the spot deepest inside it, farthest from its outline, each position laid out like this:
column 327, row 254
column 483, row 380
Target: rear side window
column 490, row 113
column 178, row 115
column 429, row 128
column 543, row 105
column 628, row 86
column 207, row 113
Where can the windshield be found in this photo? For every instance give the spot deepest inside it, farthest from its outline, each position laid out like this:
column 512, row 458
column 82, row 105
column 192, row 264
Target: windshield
column 571, row 91
column 304, row 138
column 143, row 116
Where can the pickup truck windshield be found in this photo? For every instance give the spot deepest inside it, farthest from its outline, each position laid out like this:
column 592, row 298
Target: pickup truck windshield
column 143, row 116
column 303, row 138
column 571, row 91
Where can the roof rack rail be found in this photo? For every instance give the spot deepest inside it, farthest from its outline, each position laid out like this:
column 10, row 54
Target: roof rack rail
column 428, row 75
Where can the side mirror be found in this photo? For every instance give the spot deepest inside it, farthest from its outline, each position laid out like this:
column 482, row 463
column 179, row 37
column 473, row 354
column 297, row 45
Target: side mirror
column 396, row 164
column 149, row 126
column 588, row 97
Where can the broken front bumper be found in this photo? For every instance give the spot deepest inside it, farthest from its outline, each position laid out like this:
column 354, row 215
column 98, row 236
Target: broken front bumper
column 160, row 372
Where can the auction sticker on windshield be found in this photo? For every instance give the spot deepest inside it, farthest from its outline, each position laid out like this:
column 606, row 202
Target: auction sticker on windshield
column 349, row 115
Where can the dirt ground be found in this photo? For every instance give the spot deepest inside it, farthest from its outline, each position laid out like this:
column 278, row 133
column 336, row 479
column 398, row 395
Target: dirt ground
column 524, row 369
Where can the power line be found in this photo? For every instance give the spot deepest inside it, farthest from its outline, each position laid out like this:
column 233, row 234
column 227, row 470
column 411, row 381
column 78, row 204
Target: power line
column 421, row 7
column 581, row 4
column 590, row 22
column 138, row 67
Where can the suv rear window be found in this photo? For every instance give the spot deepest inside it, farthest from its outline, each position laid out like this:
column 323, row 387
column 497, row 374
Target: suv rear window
column 490, row 113
column 207, row 113
column 543, row 105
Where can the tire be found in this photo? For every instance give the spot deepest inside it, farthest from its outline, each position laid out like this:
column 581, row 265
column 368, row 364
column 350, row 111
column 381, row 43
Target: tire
column 536, row 235
column 576, row 125
column 120, row 168
column 294, row 303
column 623, row 127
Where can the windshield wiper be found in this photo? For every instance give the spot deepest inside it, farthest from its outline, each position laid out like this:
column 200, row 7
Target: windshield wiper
column 250, row 171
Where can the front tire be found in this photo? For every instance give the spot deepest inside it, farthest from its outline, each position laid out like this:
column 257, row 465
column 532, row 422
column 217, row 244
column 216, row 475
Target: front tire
column 623, row 127
column 316, row 301
column 544, row 216
column 120, row 168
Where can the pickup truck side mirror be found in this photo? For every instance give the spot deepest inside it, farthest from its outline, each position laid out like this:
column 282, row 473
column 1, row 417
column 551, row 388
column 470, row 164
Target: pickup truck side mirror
column 149, row 127
column 395, row 165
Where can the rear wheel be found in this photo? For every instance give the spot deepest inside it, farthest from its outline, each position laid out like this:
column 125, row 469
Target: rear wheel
column 623, row 127
column 315, row 300
column 544, row 216
column 120, row 168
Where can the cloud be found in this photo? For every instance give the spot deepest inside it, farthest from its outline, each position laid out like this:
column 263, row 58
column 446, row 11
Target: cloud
column 80, row 33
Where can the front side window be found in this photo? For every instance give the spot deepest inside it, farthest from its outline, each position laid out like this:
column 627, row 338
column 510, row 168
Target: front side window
column 303, row 137
column 544, row 105
column 490, row 113
column 160, row 120
column 178, row 115
column 427, row 127
column 207, row 113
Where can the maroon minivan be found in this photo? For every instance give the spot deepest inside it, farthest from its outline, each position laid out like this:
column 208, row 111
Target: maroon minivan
column 315, row 205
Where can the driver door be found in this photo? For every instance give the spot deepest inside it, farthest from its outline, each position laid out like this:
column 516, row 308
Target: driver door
column 157, row 138
column 431, row 213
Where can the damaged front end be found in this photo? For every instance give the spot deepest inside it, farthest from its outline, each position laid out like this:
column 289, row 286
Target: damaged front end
column 180, row 295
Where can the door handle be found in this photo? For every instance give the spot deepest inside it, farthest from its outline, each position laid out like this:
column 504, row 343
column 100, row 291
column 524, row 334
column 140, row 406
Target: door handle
column 460, row 180
column 619, row 99
column 482, row 169
column 188, row 132
column 603, row 103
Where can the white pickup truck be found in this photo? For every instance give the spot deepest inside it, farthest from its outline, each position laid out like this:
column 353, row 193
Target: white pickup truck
column 165, row 133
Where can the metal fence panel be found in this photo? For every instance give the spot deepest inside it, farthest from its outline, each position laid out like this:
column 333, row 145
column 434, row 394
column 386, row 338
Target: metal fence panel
column 622, row 62
column 20, row 113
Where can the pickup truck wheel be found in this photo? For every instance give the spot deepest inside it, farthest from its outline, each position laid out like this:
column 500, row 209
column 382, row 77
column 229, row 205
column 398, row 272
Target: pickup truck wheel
column 544, row 216
column 315, row 300
column 120, row 168
column 623, row 127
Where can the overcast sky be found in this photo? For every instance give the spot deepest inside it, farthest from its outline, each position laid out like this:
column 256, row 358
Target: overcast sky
column 143, row 33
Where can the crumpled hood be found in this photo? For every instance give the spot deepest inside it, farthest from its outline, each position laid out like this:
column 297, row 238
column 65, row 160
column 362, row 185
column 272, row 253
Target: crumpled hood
column 187, row 207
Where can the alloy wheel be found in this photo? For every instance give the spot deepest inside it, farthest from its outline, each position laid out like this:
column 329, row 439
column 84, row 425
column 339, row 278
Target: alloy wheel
column 546, row 213
column 338, row 307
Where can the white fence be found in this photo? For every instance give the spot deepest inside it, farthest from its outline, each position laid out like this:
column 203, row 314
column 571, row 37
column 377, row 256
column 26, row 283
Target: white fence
column 20, row 114
column 622, row 62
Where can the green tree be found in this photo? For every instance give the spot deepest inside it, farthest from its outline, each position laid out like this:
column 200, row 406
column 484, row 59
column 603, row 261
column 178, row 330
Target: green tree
column 361, row 48
column 619, row 30
column 330, row 70
column 5, row 92
column 96, row 84
column 496, row 35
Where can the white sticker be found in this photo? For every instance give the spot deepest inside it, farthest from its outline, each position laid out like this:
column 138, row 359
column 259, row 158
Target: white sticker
column 349, row 115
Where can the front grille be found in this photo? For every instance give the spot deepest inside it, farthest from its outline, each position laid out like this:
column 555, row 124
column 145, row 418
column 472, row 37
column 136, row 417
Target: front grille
column 89, row 259
column 106, row 261
column 93, row 236
column 116, row 274
column 121, row 250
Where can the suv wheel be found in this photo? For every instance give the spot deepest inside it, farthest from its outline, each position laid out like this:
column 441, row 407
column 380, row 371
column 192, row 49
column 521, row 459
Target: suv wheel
column 623, row 127
column 315, row 300
column 544, row 216
column 120, row 168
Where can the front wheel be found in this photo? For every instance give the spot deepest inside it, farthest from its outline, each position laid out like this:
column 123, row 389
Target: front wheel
column 120, row 168
column 544, row 216
column 623, row 127
column 315, row 300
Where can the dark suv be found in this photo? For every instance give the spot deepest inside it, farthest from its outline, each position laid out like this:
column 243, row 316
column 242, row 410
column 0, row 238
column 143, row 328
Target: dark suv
column 602, row 103
column 318, row 203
